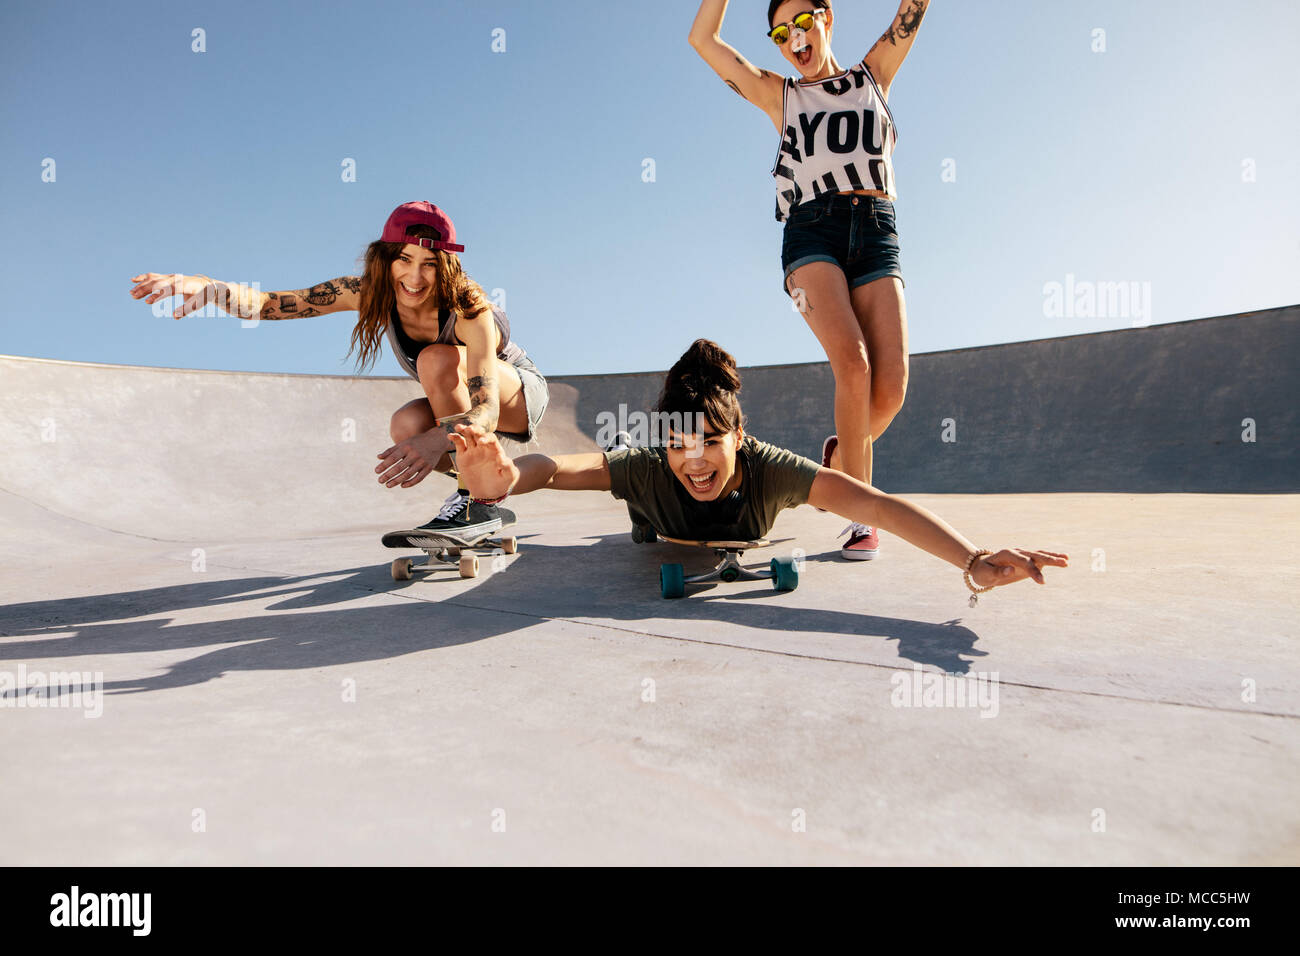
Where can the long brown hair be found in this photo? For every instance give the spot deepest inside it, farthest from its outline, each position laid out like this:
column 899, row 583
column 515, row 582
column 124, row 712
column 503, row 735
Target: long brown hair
column 452, row 288
column 704, row 383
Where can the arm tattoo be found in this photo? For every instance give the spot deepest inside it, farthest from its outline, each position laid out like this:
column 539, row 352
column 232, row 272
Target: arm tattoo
column 484, row 402
column 743, row 62
column 322, row 294
column 906, row 23
column 351, row 283
column 735, row 87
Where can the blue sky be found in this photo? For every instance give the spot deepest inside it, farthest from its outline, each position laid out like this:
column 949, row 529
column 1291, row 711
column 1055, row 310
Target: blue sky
column 1169, row 160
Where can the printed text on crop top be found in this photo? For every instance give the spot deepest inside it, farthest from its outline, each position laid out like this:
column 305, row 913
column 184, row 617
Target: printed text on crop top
column 839, row 136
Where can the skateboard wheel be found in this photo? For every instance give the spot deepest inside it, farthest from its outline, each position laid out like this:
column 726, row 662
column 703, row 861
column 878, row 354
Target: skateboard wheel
column 469, row 565
column 401, row 569
column 509, row 545
column 672, row 580
column 785, row 574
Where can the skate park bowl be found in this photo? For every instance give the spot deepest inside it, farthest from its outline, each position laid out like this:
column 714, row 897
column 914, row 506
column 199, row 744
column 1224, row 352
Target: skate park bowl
column 206, row 655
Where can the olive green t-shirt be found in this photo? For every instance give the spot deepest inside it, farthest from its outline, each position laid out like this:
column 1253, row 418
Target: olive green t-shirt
column 772, row 479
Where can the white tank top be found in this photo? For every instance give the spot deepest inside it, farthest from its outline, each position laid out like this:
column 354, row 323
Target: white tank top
column 839, row 136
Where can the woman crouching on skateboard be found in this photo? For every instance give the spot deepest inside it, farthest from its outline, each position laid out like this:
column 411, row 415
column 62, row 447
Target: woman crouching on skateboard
column 834, row 192
column 714, row 482
column 442, row 330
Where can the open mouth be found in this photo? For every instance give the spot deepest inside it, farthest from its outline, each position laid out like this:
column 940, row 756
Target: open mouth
column 801, row 49
column 702, row 483
column 409, row 291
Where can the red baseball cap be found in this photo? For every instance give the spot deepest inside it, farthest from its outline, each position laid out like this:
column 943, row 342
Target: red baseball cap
column 421, row 214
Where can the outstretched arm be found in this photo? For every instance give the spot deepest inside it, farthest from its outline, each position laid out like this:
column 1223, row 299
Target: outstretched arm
column 490, row 473
column 858, row 501
column 889, row 52
column 760, row 87
column 245, row 302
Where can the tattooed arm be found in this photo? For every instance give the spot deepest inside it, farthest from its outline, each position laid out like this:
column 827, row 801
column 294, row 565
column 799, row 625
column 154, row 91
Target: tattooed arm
column 760, row 87
column 479, row 333
column 245, row 302
column 888, row 53
column 336, row 295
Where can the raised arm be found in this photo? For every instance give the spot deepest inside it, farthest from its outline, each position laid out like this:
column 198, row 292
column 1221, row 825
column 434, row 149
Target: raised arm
column 760, row 87
column 490, row 473
column 245, row 302
column 857, row 501
column 889, row 52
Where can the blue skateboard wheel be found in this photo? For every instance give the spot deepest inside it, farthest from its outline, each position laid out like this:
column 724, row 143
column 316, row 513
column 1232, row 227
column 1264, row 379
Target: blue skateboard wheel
column 672, row 580
column 785, row 574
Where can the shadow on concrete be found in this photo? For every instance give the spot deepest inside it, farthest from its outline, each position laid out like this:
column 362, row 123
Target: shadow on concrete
column 619, row 588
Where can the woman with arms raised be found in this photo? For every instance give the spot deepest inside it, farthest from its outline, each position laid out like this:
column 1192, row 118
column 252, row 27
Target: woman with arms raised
column 834, row 192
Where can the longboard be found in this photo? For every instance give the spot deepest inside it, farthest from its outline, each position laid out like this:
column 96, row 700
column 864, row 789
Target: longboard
column 443, row 549
column 783, row 572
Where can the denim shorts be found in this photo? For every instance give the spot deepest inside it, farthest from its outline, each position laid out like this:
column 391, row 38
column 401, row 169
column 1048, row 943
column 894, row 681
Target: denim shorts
column 856, row 233
column 537, row 394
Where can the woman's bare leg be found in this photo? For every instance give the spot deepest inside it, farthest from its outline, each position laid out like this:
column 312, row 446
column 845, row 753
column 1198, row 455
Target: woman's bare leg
column 442, row 371
column 828, row 309
column 882, row 316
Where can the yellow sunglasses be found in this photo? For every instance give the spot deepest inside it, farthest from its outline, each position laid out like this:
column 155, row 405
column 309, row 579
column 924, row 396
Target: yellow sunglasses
column 803, row 21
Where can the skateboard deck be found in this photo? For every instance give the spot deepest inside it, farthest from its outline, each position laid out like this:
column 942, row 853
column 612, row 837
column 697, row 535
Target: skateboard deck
column 444, row 549
column 783, row 572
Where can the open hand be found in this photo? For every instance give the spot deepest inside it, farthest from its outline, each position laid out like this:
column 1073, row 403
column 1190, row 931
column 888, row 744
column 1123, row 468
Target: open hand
column 487, row 470
column 234, row 299
column 1015, row 564
column 410, row 461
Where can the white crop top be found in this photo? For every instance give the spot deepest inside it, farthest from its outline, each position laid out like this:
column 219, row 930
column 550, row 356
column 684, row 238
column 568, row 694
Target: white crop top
column 839, row 136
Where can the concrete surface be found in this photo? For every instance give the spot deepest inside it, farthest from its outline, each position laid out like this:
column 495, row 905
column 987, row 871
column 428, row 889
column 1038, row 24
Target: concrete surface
column 209, row 543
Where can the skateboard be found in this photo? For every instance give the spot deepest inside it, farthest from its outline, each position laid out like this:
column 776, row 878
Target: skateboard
column 783, row 572
column 448, row 549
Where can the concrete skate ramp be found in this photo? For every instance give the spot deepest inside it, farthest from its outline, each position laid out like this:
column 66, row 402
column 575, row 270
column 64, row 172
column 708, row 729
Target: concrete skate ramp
column 177, row 454
column 203, row 548
column 1157, row 409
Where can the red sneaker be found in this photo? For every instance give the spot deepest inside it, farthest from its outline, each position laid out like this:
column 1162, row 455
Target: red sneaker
column 863, row 543
column 828, row 449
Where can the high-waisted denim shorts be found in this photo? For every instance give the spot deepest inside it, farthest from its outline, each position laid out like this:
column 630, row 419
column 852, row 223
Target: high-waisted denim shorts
column 857, row 233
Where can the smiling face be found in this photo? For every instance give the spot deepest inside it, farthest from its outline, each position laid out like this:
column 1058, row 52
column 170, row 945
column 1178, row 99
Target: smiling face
column 414, row 271
column 705, row 463
column 808, row 52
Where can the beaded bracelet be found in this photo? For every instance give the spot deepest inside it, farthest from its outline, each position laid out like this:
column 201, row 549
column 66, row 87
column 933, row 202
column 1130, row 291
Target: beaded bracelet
column 975, row 591
column 490, row 501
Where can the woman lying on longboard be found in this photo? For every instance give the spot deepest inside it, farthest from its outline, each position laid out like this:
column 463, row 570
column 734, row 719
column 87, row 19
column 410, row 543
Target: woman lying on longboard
column 443, row 332
column 712, row 481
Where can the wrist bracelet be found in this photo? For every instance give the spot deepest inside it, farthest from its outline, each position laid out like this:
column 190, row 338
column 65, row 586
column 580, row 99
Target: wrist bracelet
column 975, row 591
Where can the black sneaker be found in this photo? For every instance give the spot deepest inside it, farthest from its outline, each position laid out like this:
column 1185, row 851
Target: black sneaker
column 465, row 519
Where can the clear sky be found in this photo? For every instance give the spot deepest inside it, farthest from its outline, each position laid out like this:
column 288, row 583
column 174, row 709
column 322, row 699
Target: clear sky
column 1171, row 159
